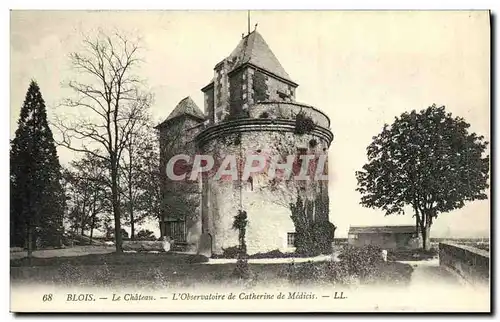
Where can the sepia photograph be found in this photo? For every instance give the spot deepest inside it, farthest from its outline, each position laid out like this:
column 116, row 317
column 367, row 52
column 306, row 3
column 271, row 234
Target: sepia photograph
column 281, row 161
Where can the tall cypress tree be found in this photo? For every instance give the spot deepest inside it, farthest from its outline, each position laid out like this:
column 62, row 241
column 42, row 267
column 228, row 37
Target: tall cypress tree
column 37, row 195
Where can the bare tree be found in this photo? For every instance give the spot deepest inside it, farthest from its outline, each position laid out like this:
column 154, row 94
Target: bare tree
column 110, row 103
column 132, row 165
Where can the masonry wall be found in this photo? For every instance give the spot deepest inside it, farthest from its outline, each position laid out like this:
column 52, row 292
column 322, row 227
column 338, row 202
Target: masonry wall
column 386, row 241
column 470, row 263
column 210, row 103
column 266, row 203
column 181, row 199
column 221, row 91
column 288, row 111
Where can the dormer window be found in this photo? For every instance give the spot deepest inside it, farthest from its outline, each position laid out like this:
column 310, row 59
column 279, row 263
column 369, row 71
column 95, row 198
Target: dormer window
column 283, row 96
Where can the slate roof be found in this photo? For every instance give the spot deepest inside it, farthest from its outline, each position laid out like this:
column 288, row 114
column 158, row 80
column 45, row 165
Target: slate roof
column 253, row 49
column 185, row 107
column 381, row 229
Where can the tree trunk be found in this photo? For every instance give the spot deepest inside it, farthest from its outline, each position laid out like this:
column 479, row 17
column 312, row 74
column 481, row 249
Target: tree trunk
column 116, row 205
column 92, row 222
column 426, row 238
column 132, row 228
column 130, row 192
column 29, row 232
column 160, row 223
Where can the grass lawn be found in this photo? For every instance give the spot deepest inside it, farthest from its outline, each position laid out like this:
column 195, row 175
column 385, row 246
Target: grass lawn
column 165, row 270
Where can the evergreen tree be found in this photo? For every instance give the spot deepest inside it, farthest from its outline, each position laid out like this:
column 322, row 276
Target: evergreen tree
column 37, row 195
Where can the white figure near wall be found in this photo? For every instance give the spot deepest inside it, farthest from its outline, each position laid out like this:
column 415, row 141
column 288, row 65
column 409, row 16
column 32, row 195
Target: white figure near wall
column 167, row 243
column 384, row 255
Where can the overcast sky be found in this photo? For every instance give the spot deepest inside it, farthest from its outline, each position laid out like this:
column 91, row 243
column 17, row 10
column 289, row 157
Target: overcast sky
column 361, row 68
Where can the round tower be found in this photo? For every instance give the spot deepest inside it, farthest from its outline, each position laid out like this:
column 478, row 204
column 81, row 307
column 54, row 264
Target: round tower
column 251, row 110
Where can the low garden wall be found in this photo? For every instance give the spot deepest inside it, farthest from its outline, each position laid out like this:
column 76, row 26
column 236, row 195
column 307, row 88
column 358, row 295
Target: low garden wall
column 472, row 264
column 143, row 245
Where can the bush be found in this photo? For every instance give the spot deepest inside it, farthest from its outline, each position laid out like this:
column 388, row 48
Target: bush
column 230, row 252
column 357, row 264
column 145, row 234
column 361, row 261
column 303, row 123
column 305, row 272
column 196, row 259
column 339, row 273
column 242, row 270
column 323, row 235
column 275, row 254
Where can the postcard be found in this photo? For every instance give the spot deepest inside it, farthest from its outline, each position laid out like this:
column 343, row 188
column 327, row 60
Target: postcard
column 250, row 161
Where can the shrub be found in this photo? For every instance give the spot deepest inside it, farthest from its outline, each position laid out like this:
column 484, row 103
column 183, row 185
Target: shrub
column 338, row 273
column 303, row 123
column 242, row 269
column 323, row 235
column 308, row 272
column 313, row 143
column 230, row 252
column 264, row 115
column 145, row 234
column 275, row 254
column 198, row 258
column 361, row 261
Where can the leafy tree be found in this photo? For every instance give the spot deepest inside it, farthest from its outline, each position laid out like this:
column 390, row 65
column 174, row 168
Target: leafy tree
column 135, row 176
column 37, row 195
column 88, row 189
column 428, row 161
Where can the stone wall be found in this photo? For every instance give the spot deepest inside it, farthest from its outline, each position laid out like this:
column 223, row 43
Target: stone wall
column 266, row 202
column 178, row 137
column 400, row 241
column 288, row 111
column 210, row 103
column 472, row 264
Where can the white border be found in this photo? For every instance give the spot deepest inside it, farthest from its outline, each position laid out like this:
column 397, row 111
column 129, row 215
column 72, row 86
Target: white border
column 195, row 5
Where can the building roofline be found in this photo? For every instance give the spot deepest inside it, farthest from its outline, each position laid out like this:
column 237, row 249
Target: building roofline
column 211, row 84
column 162, row 124
column 410, row 229
column 265, row 71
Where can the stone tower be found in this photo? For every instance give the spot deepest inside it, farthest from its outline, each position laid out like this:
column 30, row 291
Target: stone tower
column 251, row 109
column 180, row 217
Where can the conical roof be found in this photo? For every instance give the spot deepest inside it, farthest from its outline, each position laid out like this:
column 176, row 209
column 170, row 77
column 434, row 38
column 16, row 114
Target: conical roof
column 254, row 50
column 186, row 107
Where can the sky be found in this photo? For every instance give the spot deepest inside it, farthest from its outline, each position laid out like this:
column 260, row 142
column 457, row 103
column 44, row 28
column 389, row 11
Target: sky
column 362, row 68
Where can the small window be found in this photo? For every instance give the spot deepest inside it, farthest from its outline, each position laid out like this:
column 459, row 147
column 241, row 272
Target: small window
column 353, row 236
column 290, row 240
column 282, row 96
column 219, row 115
